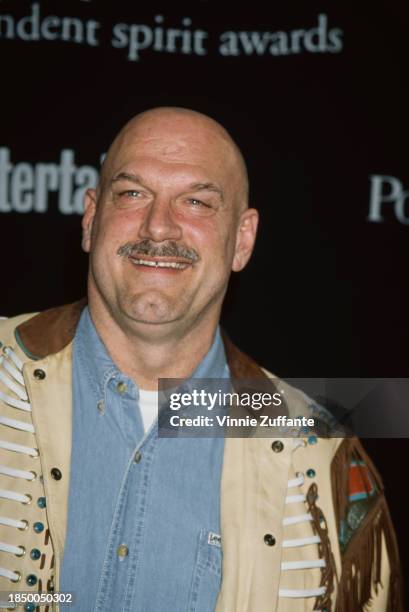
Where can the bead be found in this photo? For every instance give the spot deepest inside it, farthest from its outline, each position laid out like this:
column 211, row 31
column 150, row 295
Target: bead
column 312, row 440
column 35, row 554
column 38, row 527
column 39, row 374
column 29, row 607
column 311, row 473
column 277, row 446
column 31, row 580
column 269, row 539
column 56, row 473
column 41, row 502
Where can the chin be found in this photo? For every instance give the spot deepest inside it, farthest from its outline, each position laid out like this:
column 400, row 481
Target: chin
column 151, row 308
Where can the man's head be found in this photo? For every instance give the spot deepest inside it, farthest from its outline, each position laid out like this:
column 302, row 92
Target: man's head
column 168, row 222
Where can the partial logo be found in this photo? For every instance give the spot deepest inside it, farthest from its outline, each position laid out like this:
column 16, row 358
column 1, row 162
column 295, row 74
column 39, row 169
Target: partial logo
column 387, row 199
column 214, row 539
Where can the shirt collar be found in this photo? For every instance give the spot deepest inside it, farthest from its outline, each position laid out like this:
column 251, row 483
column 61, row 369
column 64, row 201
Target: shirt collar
column 101, row 368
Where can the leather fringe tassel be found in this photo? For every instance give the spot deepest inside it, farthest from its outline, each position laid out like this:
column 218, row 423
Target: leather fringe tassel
column 361, row 562
column 329, row 572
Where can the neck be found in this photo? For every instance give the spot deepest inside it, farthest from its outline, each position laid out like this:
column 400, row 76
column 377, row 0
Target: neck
column 146, row 353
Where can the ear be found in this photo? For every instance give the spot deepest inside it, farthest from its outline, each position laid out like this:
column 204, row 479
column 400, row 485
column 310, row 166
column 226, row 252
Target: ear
column 90, row 206
column 246, row 237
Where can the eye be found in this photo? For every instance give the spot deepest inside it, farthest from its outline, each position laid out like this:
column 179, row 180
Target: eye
column 197, row 202
column 130, row 193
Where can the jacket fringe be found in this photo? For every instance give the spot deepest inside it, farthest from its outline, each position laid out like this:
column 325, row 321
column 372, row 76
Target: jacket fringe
column 329, row 573
column 362, row 559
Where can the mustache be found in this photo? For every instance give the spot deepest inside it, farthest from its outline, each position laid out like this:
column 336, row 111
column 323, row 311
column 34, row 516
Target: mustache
column 149, row 248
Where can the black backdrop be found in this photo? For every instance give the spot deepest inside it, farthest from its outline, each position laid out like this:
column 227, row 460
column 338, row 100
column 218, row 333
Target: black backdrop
column 316, row 95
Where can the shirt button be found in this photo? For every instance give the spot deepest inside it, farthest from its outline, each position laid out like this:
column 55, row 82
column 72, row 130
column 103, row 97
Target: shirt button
column 137, row 457
column 277, row 446
column 121, row 387
column 56, row 474
column 122, row 551
column 269, row 539
column 101, row 406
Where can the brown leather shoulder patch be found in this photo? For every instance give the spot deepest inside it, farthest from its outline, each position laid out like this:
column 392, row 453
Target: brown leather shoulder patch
column 49, row 331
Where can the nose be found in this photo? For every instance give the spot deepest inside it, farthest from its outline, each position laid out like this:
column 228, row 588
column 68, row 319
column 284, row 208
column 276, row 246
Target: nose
column 159, row 223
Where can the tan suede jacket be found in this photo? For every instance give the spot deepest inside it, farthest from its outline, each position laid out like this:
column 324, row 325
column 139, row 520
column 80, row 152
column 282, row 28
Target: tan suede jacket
column 284, row 501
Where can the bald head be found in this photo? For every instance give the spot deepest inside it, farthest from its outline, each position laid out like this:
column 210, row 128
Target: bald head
column 169, row 132
column 169, row 223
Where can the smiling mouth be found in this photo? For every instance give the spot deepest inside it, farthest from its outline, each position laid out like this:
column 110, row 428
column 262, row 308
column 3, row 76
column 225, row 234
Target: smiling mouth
column 155, row 263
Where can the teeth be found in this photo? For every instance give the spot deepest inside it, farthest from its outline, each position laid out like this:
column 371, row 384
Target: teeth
column 159, row 264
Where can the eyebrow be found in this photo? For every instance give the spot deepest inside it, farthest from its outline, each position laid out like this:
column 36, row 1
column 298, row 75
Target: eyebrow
column 135, row 178
column 125, row 176
column 207, row 187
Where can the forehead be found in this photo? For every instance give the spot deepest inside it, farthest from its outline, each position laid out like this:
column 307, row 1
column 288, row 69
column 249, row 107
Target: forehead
column 175, row 148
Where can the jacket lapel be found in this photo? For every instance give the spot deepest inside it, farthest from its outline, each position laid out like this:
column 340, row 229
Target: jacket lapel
column 51, row 397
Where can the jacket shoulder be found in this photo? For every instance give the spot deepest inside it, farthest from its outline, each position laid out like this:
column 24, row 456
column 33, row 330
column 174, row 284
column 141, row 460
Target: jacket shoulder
column 8, row 327
column 298, row 403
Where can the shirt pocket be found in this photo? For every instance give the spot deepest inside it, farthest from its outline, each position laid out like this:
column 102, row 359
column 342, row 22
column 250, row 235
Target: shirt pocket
column 207, row 573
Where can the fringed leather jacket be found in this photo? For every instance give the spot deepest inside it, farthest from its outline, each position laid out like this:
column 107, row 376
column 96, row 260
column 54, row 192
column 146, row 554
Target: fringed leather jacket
column 304, row 521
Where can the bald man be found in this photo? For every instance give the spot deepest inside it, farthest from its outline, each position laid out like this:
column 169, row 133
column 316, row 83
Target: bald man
column 95, row 503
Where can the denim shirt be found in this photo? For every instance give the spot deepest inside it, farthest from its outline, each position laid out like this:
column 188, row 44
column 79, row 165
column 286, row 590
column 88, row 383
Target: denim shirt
column 144, row 511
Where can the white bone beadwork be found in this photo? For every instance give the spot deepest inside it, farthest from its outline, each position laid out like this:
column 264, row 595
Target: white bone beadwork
column 295, row 498
column 18, row 508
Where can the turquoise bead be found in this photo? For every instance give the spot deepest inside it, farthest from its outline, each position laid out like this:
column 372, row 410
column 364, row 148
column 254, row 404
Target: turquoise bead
column 31, row 580
column 29, row 607
column 38, row 527
column 312, row 440
column 41, row 503
column 35, row 554
column 311, row 473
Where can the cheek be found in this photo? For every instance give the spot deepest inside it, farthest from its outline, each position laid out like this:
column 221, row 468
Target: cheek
column 114, row 230
column 209, row 238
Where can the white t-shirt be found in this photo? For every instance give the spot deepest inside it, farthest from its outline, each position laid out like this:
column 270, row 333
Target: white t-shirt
column 148, row 404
